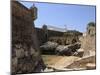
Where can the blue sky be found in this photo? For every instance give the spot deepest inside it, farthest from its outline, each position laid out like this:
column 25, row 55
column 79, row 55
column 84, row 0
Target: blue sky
column 75, row 17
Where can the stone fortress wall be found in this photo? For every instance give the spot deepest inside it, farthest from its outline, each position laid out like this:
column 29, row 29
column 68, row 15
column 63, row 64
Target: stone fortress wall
column 26, row 56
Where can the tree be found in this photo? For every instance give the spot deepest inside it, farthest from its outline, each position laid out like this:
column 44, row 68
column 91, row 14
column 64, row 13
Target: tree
column 91, row 24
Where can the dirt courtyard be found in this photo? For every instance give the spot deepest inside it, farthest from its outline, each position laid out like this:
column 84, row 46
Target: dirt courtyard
column 58, row 62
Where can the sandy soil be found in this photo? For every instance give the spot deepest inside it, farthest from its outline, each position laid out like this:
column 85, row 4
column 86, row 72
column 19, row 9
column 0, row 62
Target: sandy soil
column 58, row 62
